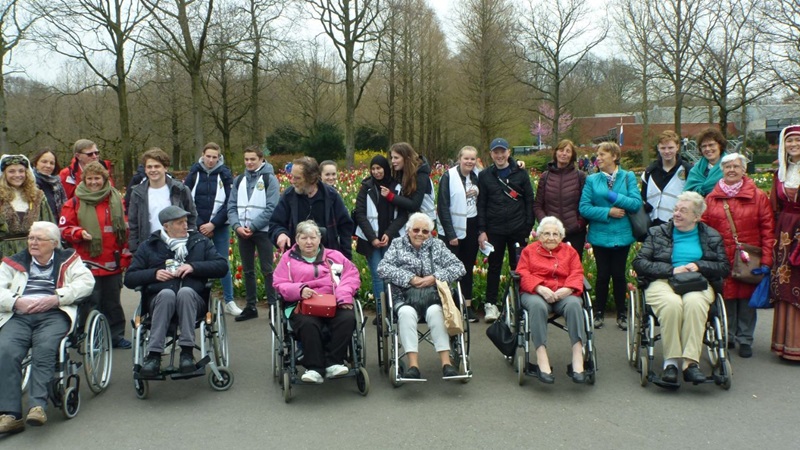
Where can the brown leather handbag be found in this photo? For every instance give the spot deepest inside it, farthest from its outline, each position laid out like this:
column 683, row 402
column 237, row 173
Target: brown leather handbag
column 746, row 258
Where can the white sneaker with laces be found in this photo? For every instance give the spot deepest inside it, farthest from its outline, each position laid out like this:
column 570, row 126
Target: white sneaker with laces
column 312, row 376
column 492, row 313
column 232, row 309
column 336, row 370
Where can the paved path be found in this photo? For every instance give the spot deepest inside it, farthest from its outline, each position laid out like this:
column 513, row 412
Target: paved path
column 492, row 411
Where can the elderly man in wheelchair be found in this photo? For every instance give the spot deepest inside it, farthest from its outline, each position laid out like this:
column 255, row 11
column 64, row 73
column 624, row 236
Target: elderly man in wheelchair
column 173, row 268
column 39, row 289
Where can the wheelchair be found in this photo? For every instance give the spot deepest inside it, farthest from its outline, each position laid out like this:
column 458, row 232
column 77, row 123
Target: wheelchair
column 287, row 351
column 213, row 346
column 90, row 338
column 390, row 356
column 516, row 317
column 642, row 338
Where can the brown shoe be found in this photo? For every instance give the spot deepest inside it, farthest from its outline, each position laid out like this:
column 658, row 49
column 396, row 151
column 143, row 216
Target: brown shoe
column 36, row 417
column 8, row 424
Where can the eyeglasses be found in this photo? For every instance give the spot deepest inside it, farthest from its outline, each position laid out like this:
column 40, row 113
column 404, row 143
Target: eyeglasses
column 37, row 239
column 420, row 230
column 550, row 234
column 94, row 153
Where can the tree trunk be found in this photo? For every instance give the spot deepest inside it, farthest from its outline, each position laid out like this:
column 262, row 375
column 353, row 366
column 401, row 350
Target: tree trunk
column 197, row 115
column 3, row 110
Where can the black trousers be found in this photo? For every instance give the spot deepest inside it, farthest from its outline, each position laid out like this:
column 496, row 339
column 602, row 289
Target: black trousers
column 465, row 251
column 611, row 267
column 577, row 240
column 318, row 353
column 501, row 243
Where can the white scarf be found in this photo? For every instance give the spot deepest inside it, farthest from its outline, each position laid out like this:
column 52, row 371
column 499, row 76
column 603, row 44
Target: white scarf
column 177, row 245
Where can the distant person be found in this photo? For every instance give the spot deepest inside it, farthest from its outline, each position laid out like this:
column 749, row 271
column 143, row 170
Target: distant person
column 46, row 169
column 85, row 152
column 328, row 172
column 664, row 179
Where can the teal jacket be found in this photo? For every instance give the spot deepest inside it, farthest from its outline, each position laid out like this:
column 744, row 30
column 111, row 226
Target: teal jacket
column 595, row 204
column 703, row 184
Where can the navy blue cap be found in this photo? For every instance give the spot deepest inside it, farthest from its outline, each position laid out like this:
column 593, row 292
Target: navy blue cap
column 499, row 143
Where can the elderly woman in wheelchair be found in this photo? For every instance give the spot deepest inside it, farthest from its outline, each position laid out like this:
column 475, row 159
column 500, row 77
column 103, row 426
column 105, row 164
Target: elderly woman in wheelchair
column 39, row 288
column 307, row 271
column 412, row 265
column 680, row 266
column 551, row 282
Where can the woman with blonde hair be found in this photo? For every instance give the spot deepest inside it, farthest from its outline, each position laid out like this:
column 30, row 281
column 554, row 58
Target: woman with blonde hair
column 21, row 204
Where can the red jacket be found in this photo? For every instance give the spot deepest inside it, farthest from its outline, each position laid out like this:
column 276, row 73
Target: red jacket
column 755, row 225
column 71, row 233
column 554, row 269
column 72, row 175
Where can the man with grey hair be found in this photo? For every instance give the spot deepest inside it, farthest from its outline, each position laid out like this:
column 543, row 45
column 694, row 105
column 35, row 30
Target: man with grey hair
column 39, row 289
column 179, row 288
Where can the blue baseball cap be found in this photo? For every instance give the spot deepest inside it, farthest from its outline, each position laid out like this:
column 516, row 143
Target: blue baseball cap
column 499, row 143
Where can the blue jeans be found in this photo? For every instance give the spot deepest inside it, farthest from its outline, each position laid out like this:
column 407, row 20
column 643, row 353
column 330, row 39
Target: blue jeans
column 222, row 242
column 377, row 282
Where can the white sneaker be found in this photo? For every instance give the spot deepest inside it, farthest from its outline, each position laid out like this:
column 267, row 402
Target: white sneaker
column 312, row 376
column 336, row 370
column 492, row 313
column 232, row 308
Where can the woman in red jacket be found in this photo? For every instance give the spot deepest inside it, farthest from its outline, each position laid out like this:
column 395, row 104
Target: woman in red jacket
column 94, row 223
column 551, row 281
column 753, row 219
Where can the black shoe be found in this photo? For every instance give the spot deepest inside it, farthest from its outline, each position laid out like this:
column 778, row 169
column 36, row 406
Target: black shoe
column 151, row 366
column 375, row 321
column 693, row 374
column 412, row 372
column 249, row 312
column 449, row 371
column 547, row 378
column 745, row 351
column 598, row 321
column 187, row 363
column 670, row 374
column 622, row 323
column 731, row 344
column 123, row 344
column 579, row 377
column 471, row 317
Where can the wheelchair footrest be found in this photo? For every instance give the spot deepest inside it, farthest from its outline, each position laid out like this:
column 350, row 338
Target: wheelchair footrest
column 458, row 377
column 411, row 380
column 199, row 372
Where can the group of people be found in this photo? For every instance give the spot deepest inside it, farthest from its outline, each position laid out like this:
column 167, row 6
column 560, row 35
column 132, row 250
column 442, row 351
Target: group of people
column 173, row 237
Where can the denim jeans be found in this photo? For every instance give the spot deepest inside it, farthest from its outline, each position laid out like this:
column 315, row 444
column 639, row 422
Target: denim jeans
column 222, row 242
column 377, row 282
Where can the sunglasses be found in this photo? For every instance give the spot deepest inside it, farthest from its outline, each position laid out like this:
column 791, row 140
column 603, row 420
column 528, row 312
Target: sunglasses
column 94, row 153
column 420, row 230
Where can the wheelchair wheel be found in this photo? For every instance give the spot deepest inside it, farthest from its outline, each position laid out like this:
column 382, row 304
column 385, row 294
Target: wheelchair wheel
column 71, row 402
column 362, row 381
column 142, row 389
column 521, row 369
column 727, row 373
column 360, row 334
column 644, row 363
column 220, row 332
column 395, row 374
column 26, row 371
column 276, row 337
column 221, row 384
column 287, row 387
column 383, row 333
column 97, row 355
column 633, row 329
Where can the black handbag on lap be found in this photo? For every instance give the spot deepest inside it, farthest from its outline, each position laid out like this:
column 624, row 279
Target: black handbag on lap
column 682, row 283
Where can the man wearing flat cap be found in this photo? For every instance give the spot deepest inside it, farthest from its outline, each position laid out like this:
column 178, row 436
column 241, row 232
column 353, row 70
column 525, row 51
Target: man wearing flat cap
column 178, row 289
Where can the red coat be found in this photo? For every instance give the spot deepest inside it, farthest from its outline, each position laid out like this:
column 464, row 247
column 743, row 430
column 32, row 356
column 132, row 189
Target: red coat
column 72, row 175
column 554, row 269
column 755, row 225
column 71, row 233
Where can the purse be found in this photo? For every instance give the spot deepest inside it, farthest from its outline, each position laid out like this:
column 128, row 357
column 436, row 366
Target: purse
column 320, row 305
column 746, row 258
column 682, row 283
column 502, row 337
column 640, row 223
column 452, row 315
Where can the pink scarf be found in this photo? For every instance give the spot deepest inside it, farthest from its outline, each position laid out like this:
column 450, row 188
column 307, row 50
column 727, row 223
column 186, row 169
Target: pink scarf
column 730, row 190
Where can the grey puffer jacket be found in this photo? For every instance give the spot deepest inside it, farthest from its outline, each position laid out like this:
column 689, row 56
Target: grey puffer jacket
column 402, row 262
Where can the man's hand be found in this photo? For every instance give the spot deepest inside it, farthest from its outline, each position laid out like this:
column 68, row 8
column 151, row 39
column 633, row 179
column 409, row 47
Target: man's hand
column 29, row 305
column 384, row 240
column 207, row 229
column 164, row 275
column 454, row 242
column 184, row 270
column 283, row 242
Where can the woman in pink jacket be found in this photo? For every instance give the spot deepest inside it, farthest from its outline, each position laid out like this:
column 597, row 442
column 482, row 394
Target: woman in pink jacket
column 308, row 269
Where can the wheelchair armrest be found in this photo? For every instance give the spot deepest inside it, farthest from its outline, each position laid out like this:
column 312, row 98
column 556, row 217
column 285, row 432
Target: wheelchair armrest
column 586, row 286
column 515, row 276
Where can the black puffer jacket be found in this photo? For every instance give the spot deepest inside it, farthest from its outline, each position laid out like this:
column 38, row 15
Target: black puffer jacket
column 654, row 261
column 498, row 213
column 413, row 203
column 559, row 195
column 153, row 253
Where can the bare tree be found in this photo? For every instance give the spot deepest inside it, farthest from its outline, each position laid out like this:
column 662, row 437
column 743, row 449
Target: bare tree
column 354, row 29
column 552, row 40
column 94, row 34
column 179, row 29
column 15, row 22
column 314, row 96
column 486, row 60
column 780, row 21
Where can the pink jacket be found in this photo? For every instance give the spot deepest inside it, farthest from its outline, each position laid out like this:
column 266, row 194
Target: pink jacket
column 294, row 273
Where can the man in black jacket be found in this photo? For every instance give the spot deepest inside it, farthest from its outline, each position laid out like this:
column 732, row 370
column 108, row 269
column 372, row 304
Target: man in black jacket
column 178, row 288
column 505, row 216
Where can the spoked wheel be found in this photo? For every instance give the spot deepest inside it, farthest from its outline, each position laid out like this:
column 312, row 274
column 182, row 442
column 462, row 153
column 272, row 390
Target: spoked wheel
column 633, row 326
column 220, row 331
column 383, row 333
column 360, row 333
column 72, row 402
column 362, row 381
column 224, row 382
column 26, row 371
column 521, row 369
column 142, row 389
column 97, row 355
column 591, row 363
column 277, row 341
column 287, row 387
